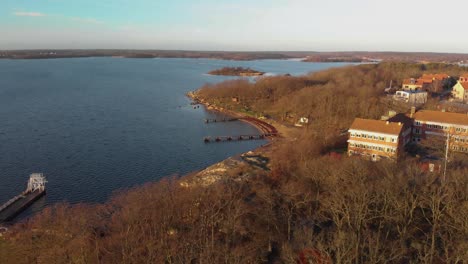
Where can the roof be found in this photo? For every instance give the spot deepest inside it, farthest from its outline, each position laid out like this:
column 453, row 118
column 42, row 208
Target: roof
column 412, row 82
column 377, row 126
column 464, row 85
column 437, row 76
column 442, row 117
column 465, row 75
column 402, row 118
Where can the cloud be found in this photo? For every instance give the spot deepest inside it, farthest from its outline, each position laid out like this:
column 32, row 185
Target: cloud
column 29, row 14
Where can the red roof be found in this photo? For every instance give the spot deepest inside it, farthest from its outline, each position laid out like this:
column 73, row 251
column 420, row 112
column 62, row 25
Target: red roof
column 413, row 82
column 464, row 85
column 437, row 76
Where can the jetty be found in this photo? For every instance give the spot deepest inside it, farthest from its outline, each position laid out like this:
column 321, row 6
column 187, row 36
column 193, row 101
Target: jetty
column 35, row 190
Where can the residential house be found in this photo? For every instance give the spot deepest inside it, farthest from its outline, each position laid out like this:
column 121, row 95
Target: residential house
column 377, row 139
column 460, row 90
column 413, row 84
column 435, row 82
column 427, row 82
column 434, row 124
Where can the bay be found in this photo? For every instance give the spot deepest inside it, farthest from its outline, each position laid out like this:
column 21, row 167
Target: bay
column 96, row 125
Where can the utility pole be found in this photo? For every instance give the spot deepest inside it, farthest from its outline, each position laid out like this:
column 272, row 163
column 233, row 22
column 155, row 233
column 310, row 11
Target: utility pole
column 446, row 155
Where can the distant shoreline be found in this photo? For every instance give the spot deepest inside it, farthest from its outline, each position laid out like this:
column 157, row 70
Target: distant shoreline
column 305, row 56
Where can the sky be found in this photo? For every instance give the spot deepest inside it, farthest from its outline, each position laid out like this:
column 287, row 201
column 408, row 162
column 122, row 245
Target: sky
column 240, row 25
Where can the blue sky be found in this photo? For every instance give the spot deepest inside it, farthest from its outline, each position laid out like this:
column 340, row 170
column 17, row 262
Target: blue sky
column 326, row 25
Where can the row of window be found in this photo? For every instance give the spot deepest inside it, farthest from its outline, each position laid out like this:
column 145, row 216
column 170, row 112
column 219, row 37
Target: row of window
column 433, row 126
column 372, row 137
column 363, row 146
column 459, row 148
column 460, row 139
column 436, row 127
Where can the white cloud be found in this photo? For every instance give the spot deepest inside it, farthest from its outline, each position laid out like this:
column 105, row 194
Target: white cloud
column 29, row 14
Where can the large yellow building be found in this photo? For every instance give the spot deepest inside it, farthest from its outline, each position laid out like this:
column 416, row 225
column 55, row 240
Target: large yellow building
column 377, row 139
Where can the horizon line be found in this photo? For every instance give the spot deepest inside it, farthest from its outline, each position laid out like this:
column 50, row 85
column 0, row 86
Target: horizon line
column 230, row 51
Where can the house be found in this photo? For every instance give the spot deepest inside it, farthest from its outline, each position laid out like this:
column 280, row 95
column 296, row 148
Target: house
column 463, row 78
column 435, row 82
column 413, row 84
column 377, row 139
column 411, row 97
column 427, row 82
column 460, row 90
column 434, row 124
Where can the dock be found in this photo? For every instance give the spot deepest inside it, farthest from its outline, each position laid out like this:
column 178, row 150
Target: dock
column 212, row 120
column 235, row 138
column 266, row 129
column 35, row 190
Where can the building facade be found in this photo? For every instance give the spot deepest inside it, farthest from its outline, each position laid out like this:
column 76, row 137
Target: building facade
column 460, row 90
column 453, row 126
column 377, row 139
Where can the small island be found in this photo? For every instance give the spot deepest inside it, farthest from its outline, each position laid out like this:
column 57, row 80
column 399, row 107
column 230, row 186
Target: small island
column 236, row 71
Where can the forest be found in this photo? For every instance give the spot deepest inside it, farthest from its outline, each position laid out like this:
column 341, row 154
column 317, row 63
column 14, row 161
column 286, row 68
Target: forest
column 308, row 207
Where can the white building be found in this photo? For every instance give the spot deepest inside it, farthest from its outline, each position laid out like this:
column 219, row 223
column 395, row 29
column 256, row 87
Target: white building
column 411, row 97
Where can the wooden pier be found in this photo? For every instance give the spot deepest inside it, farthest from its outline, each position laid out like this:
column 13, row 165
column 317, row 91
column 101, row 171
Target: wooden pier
column 16, row 205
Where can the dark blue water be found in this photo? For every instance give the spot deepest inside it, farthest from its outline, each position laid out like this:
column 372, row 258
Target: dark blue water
column 95, row 125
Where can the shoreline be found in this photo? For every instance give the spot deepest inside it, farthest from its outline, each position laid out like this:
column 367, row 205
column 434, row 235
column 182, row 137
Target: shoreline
column 254, row 159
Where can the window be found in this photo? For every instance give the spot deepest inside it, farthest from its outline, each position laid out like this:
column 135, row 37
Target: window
column 418, row 123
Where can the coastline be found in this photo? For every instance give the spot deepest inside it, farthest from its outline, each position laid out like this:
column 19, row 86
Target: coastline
column 244, row 165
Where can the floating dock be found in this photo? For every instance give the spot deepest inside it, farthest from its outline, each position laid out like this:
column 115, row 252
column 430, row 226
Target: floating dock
column 16, row 205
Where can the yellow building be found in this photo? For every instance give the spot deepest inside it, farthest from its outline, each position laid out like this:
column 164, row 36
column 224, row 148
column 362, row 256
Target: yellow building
column 460, row 90
column 377, row 139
